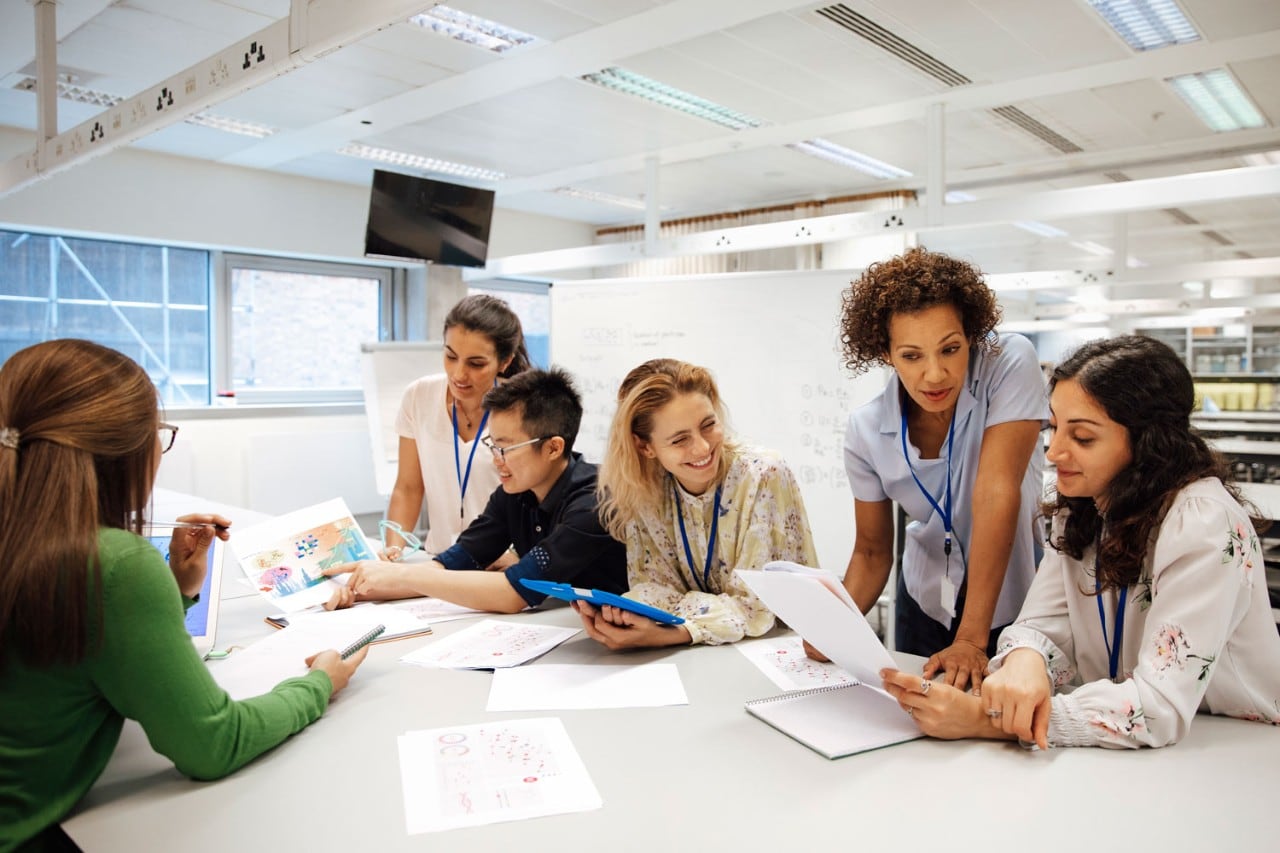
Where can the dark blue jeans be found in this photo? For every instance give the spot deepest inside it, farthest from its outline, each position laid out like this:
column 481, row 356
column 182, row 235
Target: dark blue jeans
column 916, row 632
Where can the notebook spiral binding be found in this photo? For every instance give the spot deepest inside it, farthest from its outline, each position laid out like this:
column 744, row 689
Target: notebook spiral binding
column 800, row 694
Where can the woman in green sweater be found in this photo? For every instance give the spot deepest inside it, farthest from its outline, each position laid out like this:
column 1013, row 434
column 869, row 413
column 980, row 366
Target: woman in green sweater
column 91, row 617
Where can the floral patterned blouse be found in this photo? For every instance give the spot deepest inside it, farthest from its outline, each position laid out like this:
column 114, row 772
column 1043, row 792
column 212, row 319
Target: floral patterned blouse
column 762, row 519
column 1198, row 632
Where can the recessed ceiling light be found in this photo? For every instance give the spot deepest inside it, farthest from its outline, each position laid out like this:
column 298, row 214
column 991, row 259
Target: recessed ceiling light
column 1218, row 101
column 231, row 125
column 1092, row 247
column 630, row 83
column 69, row 92
column 1040, row 229
column 1262, row 158
column 849, row 158
column 1147, row 24
column 417, row 161
column 472, row 29
column 603, row 198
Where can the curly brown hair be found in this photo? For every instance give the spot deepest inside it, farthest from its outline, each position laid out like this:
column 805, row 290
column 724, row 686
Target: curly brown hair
column 913, row 281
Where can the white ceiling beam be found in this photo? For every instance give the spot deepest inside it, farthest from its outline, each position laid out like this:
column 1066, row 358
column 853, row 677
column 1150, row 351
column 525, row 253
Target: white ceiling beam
column 1214, row 147
column 1166, row 62
column 1069, row 280
column 1119, row 308
column 1111, row 198
column 313, row 28
column 582, row 53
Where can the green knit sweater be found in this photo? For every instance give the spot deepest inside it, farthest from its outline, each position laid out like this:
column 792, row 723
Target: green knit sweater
column 59, row 725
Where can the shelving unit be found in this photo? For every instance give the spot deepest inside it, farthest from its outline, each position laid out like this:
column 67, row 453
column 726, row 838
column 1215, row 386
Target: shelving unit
column 1237, row 351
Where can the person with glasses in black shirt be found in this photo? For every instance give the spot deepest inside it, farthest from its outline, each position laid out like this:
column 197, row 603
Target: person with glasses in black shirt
column 545, row 509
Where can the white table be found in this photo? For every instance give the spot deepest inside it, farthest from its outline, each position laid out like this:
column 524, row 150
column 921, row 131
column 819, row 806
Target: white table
column 702, row 777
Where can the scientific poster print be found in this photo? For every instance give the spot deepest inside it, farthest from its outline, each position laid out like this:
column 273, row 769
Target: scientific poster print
column 283, row 558
column 471, row 775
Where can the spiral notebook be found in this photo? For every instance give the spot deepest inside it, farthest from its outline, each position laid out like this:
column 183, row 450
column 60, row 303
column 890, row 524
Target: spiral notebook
column 837, row 720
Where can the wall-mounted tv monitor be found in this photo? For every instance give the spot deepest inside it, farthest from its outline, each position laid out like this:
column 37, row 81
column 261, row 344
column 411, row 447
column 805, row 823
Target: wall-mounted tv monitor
column 412, row 217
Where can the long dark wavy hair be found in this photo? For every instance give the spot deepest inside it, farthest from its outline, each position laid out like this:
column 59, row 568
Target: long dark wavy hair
column 1145, row 387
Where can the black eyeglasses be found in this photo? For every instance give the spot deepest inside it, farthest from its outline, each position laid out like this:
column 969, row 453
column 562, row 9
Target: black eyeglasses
column 168, row 435
column 501, row 452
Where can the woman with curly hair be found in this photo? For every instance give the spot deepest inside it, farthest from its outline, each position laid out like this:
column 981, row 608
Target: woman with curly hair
column 954, row 439
column 1153, row 601
column 692, row 505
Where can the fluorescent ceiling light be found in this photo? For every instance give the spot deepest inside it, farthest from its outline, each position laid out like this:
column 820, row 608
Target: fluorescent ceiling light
column 417, row 161
column 1040, row 229
column 78, row 94
column 1092, row 247
column 1264, row 158
column 1147, row 24
column 231, row 125
column 602, row 198
column 472, row 29
column 958, row 196
column 842, row 156
column 630, row 83
column 1217, row 100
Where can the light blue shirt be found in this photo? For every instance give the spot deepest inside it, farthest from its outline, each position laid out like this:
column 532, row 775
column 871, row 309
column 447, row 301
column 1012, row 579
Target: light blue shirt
column 999, row 387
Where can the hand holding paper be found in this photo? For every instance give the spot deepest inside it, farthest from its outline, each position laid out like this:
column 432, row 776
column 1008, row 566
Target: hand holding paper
column 805, row 599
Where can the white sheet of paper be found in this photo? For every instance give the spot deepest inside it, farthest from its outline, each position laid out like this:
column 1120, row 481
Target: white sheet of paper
column 491, row 644
column 841, row 633
column 393, row 616
column 491, row 772
column 282, row 557
column 257, row 668
column 552, row 687
column 435, row 609
column 784, row 662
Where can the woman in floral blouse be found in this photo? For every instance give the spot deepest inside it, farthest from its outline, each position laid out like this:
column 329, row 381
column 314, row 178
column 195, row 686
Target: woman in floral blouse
column 1153, row 603
column 692, row 505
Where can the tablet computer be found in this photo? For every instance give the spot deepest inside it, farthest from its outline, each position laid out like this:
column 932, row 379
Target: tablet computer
column 202, row 618
column 599, row 597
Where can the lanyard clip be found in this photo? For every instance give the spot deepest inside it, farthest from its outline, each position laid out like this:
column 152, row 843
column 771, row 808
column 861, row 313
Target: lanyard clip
column 946, row 545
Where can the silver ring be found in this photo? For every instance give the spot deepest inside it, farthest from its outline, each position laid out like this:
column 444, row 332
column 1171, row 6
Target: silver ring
column 993, row 713
column 911, row 712
column 925, row 686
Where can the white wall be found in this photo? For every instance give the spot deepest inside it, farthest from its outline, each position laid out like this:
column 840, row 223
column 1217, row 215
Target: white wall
column 274, row 462
column 158, row 197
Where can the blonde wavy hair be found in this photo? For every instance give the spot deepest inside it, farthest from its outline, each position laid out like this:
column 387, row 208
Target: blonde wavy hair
column 628, row 480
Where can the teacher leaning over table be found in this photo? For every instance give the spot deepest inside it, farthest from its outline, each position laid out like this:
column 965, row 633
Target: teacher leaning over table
column 954, row 440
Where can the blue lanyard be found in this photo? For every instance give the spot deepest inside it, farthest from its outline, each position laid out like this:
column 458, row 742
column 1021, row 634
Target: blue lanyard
column 1113, row 651
column 943, row 513
column 457, row 459
column 705, row 583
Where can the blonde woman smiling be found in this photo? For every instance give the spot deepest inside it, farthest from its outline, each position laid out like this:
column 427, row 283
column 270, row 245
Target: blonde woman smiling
column 692, row 505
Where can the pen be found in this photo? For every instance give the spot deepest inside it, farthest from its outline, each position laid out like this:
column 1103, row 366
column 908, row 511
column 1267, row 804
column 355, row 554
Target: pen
column 195, row 525
column 365, row 640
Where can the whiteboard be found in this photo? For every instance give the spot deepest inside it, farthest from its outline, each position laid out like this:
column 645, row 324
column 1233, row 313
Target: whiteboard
column 387, row 368
column 770, row 339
